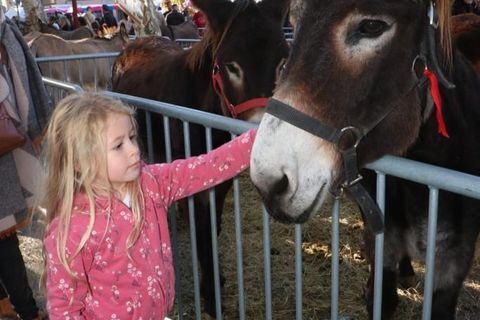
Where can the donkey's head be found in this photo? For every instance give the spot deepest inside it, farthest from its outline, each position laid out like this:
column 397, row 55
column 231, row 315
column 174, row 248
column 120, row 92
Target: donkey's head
column 248, row 49
column 352, row 66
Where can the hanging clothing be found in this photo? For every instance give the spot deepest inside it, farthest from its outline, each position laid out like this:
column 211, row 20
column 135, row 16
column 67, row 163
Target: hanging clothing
column 27, row 102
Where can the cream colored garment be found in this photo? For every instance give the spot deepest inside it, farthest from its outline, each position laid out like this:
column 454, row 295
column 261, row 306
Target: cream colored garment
column 16, row 101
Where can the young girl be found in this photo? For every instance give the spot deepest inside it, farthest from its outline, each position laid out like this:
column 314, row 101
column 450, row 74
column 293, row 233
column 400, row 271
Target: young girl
column 107, row 244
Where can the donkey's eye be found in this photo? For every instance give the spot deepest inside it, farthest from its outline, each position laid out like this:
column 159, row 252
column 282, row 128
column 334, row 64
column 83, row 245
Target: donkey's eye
column 372, row 28
column 232, row 68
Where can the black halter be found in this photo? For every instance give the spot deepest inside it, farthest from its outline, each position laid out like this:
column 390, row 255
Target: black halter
column 369, row 208
column 372, row 213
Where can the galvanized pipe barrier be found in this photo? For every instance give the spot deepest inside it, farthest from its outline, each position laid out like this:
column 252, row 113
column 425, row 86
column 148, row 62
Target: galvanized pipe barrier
column 379, row 242
column 407, row 169
column 434, row 178
column 186, row 43
column 57, row 90
column 335, row 259
column 76, row 63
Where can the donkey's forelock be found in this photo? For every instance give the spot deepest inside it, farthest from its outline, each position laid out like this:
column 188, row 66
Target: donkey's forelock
column 220, row 20
column 218, row 23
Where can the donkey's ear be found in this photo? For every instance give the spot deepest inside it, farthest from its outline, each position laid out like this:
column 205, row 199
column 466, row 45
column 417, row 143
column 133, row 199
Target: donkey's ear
column 276, row 8
column 217, row 12
column 123, row 34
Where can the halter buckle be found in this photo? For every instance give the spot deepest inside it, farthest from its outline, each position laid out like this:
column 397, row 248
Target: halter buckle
column 336, row 192
column 358, row 136
column 348, row 184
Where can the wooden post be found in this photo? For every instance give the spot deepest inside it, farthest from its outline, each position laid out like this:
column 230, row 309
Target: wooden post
column 75, row 21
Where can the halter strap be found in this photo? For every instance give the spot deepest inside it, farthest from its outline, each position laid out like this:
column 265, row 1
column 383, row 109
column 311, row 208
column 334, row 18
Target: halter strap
column 299, row 119
column 369, row 208
column 288, row 114
column 235, row 110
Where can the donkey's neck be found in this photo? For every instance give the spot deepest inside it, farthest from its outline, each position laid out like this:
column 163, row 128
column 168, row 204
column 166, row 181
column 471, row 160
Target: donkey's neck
column 462, row 115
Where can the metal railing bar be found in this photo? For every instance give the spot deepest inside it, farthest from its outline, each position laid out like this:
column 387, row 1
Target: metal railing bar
column 298, row 273
column 335, row 280
column 168, row 144
column 379, row 244
column 441, row 178
column 172, row 222
column 171, row 211
column 213, row 230
column 193, row 232
column 205, row 119
column 84, row 56
column 62, row 85
column 430, row 258
column 239, row 245
column 267, row 266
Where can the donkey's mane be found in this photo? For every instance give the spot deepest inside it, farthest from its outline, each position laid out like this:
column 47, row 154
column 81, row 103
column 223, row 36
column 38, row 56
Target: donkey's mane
column 444, row 12
column 211, row 41
column 198, row 51
column 106, row 33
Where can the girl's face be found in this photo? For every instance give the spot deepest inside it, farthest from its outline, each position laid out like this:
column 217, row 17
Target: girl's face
column 123, row 155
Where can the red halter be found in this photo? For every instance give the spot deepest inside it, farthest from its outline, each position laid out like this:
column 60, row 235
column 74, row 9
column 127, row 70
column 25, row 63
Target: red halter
column 239, row 108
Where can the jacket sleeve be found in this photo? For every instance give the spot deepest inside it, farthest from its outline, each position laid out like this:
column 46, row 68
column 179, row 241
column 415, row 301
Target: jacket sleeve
column 66, row 296
column 184, row 177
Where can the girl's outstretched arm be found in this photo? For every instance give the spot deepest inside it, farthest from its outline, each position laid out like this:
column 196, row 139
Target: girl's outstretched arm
column 66, row 295
column 184, row 177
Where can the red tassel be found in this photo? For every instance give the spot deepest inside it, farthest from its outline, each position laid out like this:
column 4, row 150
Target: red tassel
column 437, row 99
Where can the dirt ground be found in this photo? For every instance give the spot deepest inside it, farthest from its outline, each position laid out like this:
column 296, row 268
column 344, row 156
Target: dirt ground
column 316, row 267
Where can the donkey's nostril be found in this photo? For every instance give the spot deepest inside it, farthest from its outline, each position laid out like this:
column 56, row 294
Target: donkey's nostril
column 281, row 186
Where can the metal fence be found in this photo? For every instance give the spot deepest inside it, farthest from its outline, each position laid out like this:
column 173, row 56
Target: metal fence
column 89, row 71
column 434, row 177
column 186, row 43
column 58, row 90
column 72, row 68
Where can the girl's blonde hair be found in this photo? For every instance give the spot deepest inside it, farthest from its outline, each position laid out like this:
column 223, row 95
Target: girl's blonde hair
column 75, row 161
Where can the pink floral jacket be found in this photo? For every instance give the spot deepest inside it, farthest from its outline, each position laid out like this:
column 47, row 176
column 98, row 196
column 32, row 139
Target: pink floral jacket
column 109, row 284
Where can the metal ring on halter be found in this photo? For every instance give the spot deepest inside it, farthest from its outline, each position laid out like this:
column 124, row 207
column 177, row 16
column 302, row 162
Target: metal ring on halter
column 358, row 134
column 422, row 58
column 216, row 68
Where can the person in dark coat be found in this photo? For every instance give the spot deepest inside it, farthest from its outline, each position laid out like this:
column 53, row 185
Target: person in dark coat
column 108, row 17
column 175, row 17
column 168, row 4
